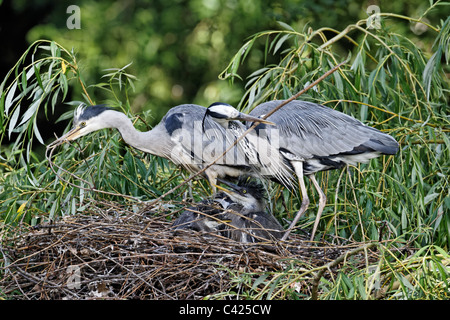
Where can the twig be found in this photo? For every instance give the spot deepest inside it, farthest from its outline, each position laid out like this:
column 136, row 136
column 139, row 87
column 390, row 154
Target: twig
column 91, row 188
column 328, row 266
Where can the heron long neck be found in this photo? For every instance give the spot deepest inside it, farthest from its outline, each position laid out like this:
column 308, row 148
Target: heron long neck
column 149, row 141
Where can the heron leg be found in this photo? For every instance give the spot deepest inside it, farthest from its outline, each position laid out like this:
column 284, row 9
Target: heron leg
column 298, row 168
column 212, row 178
column 322, row 202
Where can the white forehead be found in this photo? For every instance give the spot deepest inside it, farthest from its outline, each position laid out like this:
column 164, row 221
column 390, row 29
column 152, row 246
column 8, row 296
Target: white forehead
column 78, row 112
column 223, row 109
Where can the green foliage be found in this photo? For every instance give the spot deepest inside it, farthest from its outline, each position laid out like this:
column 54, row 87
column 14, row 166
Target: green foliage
column 389, row 82
column 394, row 275
column 31, row 190
column 394, row 85
column 177, row 47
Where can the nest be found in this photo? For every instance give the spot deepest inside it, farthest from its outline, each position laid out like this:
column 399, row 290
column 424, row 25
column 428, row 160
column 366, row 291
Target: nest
column 114, row 253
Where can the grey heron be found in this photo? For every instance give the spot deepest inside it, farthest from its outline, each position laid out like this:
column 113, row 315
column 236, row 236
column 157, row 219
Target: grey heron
column 249, row 219
column 179, row 136
column 262, row 154
column 205, row 216
column 239, row 214
column 311, row 138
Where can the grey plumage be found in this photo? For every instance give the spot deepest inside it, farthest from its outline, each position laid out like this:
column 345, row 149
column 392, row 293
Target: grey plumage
column 239, row 214
column 320, row 135
column 310, row 138
column 253, row 227
column 261, row 155
column 314, row 138
column 206, row 216
column 249, row 218
column 179, row 136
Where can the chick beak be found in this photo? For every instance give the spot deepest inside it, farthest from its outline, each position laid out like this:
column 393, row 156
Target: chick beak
column 229, row 192
column 235, row 188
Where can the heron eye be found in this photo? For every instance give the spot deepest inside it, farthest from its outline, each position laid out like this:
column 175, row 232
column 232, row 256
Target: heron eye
column 244, row 191
column 83, row 124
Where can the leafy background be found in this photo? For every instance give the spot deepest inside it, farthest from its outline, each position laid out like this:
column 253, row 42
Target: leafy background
column 143, row 57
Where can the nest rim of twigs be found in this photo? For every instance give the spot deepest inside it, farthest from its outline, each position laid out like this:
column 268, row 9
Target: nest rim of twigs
column 125, row 255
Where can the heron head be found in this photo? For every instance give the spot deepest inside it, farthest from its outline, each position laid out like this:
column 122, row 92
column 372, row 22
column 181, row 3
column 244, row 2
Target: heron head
column 223, row 112
column 87, row 120
column 248, row 194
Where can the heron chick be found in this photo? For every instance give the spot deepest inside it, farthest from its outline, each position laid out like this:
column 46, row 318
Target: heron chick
column 249, row 219
column 239, row 214
column 206, row 216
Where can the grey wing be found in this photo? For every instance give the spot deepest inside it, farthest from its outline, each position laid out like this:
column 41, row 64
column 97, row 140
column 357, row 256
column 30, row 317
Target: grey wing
column 198, row 141
column 184, row 221
column 266, row 226
column 310, row 130
column 268, row 162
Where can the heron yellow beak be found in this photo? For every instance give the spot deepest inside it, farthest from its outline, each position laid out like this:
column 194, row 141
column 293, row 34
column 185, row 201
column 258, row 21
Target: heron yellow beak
column 71, row 135
column 246, row 117
column 222, row 188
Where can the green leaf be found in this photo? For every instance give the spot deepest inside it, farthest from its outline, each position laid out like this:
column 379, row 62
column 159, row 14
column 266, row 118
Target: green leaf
column 285, row 26
column 37, row 133
column 430, row 197
column 30, row 112
column 64, row 85
column 13, row 120
column 280, row 42
column 429, row 70
column 10, row 97
column 37, row 73
column 260, row 280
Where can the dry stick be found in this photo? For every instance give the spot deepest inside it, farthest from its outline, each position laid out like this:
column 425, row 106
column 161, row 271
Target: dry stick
column 294, row 97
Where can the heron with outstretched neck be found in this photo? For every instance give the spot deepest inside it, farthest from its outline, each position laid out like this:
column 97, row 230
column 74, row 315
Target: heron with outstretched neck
column 179, row 136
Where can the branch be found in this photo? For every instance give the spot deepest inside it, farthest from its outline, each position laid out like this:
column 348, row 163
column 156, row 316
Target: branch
column 328, row 266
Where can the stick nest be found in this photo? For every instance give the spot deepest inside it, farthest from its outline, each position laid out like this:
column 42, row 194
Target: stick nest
column 111, row 252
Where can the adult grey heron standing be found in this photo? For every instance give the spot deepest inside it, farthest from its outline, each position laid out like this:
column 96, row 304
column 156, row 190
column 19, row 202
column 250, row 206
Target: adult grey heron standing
column 312, row 138
column 178, row 137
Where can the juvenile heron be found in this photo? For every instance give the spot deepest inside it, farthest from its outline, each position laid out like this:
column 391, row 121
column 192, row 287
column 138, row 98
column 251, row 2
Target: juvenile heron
column 179, row 137
column 312, row 138
column 239, row 214
column 205, row 216
column 249, row 219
